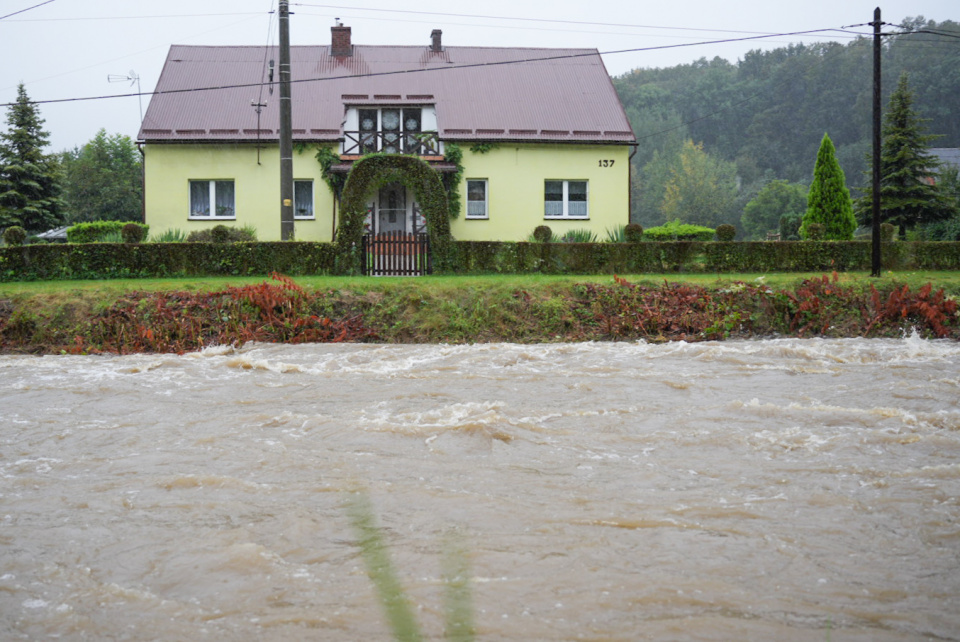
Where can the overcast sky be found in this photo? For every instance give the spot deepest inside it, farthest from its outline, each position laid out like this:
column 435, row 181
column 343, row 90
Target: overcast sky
column 68, row 48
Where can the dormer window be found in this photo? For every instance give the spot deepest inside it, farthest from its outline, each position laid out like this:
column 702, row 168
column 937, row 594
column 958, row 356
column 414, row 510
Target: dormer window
column 391, row 130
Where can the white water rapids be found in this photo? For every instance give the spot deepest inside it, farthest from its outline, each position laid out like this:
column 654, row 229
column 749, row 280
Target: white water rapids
column 765, row 490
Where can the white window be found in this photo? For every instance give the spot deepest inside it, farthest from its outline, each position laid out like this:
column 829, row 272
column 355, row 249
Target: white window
column 565, row 199
column 303, row 199
column 477, row 198
column 212, row 199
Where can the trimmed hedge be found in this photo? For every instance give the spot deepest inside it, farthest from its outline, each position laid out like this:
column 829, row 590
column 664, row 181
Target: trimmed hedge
column 112, row 260
column 94, row 231
column 479, row 257
column 152, row 260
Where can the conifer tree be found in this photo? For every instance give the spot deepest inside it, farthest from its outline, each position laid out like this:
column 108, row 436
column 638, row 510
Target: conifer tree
column 29, row 188
column 908, row 195
column 828, row 201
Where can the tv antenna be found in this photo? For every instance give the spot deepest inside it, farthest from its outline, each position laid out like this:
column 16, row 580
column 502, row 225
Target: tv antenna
column 133, row 78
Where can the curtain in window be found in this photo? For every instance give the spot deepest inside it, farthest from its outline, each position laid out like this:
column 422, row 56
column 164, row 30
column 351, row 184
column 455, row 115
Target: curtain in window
column 577, row 197
column 476, row 198
column 303, row 199
column 199, row 198
column 224, row 196
column 553, row 198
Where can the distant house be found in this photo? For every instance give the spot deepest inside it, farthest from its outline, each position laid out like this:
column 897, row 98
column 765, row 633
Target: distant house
column 543, row 135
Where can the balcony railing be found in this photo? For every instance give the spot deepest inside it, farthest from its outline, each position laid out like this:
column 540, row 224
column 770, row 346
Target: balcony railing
column 414, row 144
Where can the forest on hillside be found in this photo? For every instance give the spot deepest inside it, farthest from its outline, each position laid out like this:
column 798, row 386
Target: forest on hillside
column 730, row 129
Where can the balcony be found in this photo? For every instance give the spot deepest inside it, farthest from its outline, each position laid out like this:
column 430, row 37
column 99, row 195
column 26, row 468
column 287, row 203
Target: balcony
column 357, row 143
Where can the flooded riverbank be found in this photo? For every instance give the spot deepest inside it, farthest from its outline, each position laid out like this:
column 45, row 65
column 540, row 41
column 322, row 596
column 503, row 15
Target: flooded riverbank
column 781, row 489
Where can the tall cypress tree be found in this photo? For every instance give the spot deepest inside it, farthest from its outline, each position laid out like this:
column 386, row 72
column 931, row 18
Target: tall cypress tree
column 828, row 201
column 908, row 195
column 29, row 187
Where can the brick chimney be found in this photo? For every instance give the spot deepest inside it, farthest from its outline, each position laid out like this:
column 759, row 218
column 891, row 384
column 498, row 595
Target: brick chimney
column 435, row 40
column 340, row 41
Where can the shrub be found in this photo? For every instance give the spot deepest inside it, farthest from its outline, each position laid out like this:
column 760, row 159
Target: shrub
column 815, row 231
column 134, row 232
column 14, row 235
column 790, row 228
column 169, row 236
column 617, row 234
column 677, row 231
column 578, row 236
column 94, row 231
column 887, row 231
column 726, row 232
column 542, row 234
column 222, row 234
column 633, row 233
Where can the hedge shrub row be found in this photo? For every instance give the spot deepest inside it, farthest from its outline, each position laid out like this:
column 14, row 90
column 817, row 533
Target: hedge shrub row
column 111, row 260
column 479, row 257
column 95, row 231
column 150, row 260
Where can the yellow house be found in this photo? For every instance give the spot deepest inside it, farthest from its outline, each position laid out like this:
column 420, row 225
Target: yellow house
column 541, row 136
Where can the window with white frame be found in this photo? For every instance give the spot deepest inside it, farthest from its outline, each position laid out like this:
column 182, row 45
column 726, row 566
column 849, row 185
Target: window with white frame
column 212, row 199
column 565, row 199
column 303, row 199
column 477, row 198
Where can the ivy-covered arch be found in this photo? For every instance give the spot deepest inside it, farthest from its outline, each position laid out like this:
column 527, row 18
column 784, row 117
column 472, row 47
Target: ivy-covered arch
column 371, row 173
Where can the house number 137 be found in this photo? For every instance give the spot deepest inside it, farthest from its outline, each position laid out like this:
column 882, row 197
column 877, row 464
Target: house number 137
column 606, row 163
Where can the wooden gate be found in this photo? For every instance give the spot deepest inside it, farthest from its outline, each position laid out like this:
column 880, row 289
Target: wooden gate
column 396, row 254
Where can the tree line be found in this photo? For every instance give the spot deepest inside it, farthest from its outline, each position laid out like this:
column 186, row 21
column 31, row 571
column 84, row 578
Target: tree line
column 723, row 142
column 101, row 180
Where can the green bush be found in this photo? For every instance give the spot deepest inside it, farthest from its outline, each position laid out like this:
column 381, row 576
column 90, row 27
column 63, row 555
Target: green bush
column 726, row 232
column 543, row 234
column 222, row 234
column 815, row 231
column 633, row 233
column 14, row 235
column 887, row 231
column 134, row 232
column 169, row 236
column 677, row 231
column 578, row 236
column 94, row 231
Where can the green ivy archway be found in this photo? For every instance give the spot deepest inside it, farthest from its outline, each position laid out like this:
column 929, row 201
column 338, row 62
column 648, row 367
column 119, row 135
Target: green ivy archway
column 372, row 172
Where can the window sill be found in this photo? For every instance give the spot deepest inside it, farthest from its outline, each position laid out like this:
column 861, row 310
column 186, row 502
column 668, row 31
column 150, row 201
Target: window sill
column 478, row 218
column 304, row 218
column 211, row 218
column 567, row 218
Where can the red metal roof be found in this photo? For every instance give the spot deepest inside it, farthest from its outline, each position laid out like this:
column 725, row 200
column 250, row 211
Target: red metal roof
column 480, row 93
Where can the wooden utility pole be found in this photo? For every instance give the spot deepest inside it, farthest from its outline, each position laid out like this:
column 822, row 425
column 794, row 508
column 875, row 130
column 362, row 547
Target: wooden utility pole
column 875, row 256
column 286, row 127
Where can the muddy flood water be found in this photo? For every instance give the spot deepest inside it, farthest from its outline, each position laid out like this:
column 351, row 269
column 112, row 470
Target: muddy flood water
column 765, row 490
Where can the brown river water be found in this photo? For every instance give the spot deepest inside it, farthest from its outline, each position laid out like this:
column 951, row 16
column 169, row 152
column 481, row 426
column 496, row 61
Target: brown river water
column 765, row 490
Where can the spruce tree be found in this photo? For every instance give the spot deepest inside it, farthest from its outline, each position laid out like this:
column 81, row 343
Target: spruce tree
column 29, row 187
column 828, row 201
column 908, row 195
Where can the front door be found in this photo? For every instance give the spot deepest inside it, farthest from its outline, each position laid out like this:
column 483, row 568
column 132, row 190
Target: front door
column 392, row 213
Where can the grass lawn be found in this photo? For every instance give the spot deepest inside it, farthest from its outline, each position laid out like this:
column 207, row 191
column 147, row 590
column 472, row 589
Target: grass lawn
column 949, row 281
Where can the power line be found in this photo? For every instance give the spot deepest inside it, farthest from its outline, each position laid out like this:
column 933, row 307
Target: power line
column 100, row 18
column 549, row 20
column 434, row 69
column 25, row 10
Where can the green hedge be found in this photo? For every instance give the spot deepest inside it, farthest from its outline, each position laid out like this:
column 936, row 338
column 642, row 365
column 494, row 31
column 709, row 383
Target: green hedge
column 95, row 231
column 112, row 260
column 476, row 257
column 148, row 260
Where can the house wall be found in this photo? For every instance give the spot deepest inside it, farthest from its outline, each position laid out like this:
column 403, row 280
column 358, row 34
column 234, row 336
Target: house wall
column 515, row 177
column 170, row 168
column 515, row 182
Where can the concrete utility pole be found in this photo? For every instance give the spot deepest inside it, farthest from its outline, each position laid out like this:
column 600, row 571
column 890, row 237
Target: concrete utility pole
column 875, row 256
column 286, row 128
